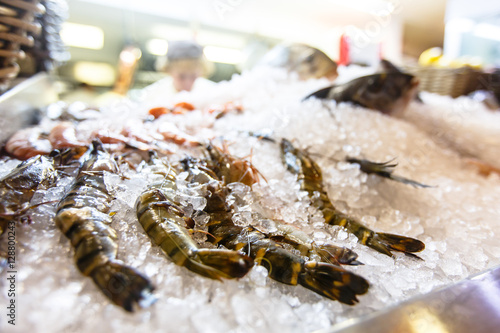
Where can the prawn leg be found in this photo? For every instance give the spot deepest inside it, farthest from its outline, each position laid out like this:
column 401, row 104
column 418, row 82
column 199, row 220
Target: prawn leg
column 327, row 252
column 384, row 169
column 231, row 169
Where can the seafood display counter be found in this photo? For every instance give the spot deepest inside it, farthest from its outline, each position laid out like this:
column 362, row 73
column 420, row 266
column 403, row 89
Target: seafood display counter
column 248, row 208
column 20, row 105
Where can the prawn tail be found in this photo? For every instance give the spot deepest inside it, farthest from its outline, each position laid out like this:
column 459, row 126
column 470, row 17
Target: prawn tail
column 333, row 282
column 217, row 264
column 398, row 243
column 123, row 285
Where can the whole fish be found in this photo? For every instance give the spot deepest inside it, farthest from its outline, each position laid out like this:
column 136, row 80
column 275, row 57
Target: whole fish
column 308, row 62
column 389, row 93
column 385, row 66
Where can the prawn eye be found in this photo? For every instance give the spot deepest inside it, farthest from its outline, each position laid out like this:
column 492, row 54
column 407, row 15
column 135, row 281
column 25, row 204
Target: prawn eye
column 55, row 153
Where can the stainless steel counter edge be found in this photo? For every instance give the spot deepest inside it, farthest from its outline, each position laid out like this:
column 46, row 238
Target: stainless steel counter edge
column 472, row 305
column 19, row 104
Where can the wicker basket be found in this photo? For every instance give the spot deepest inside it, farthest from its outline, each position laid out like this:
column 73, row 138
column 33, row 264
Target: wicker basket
column 447, row 81
column 490, row 82
column 16, row 29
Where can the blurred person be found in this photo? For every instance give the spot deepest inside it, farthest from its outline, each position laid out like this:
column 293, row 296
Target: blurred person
column 186, row 66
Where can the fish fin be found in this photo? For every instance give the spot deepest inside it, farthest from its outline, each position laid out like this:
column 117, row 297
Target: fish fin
column 320, row 94
column 419, row 99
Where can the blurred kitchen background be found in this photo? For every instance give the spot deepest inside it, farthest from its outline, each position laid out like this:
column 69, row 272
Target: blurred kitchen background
column 237, row 33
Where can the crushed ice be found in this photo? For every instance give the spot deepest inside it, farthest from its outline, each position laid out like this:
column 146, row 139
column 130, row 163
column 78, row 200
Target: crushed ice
column 457, row 220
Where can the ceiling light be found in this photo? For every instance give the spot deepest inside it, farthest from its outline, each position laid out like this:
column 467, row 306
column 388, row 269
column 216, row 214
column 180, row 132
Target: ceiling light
column 83, row 36
column 130, row 55
column 231, row 40
column 383, row 7
column 94, row 73
column 488, row 31
column 171, row 32
column 223, row 54
column 157, row 46
column 460, row 25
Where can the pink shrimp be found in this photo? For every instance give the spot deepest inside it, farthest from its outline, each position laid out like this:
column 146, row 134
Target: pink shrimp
column 141, row 134
column 28, row 142
column 117, row 139
column 63, row 135
column 170, row 132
